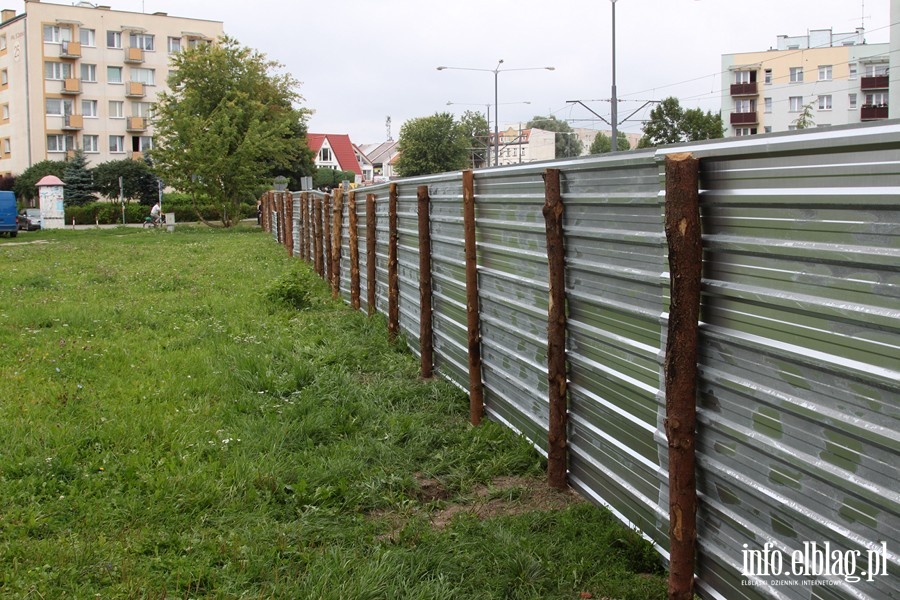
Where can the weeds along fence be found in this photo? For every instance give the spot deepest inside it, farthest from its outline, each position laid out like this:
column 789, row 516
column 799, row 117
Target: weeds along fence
column 704, row 339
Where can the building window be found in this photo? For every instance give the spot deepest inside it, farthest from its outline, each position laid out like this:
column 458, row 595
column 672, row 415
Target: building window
column 741, row 131
column 744, row 105
column 744, row 76
column 174, row 45
column 89, row 73
column 825, row 102
column 60, row 143
column 91, row 143
column 114, row 74
column 113, row 39
column 117, row 143
column 824, row 72
column 796, row 74
column 767, row 74
column 57, row 70
column 3, row 42
column 853, row 72
column 796, row 103
column 141, row 143
column 767, row 129
column 4, row 77
column 89, row 108
column 143, row 41
column 87, row 37
column 7, row 146
column 145, row 76
column 877, row 99
column 876, row 70
column 325, row 155
column 6, row 112
column 851, row 101
column 54, row 34
column 116, row 109
column 59, row 107
column 768, row 103
column 142, row 109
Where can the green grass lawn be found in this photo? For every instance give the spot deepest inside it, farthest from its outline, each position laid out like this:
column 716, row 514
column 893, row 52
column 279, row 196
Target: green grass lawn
column 174, row 426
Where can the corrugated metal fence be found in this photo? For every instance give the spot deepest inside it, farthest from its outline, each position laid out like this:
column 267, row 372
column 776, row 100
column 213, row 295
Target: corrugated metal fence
column 798, row 395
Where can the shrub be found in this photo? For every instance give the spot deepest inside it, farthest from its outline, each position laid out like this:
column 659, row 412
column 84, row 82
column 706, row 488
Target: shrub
column 296, row 289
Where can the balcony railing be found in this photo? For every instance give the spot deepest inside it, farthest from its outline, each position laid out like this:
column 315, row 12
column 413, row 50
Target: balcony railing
column 878, row 82
column 744, row 89
column 70, row 50
column 136, row 124
column 74, row 122
column 134, row 55
column 137, row 155
column 135, row 89
column 71, row 86
column 873, row 113
column 744, row 118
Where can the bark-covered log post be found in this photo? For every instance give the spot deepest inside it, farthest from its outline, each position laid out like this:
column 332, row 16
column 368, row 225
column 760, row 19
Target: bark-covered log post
column 354, row 250
column 473, row 316
column 393, row 275
column 682, row 224
column 316, row 230
column 557, row 375
column 426, row 334
column 326, row 237
column 336, row 227
column 371, row 258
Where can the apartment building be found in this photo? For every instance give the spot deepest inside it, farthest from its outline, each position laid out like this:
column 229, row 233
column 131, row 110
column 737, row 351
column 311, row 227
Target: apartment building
column 835, row 78
column 84, row 76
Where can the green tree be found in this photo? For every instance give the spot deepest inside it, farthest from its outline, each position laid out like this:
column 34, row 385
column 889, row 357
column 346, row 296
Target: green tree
column 434, row 144
column 478, row 133
column 79, row 181
column 303, row 165
column 228, row 123
column 138, row 181
column 328, row 177
column 567, row 143
column 602, row 143
column 25, row 187
column 669, row 123
column 805, row 120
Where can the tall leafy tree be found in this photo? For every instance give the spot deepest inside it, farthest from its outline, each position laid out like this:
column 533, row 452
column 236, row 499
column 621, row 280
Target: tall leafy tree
column 227, row 125
column 669, row 123
column 434, row 144
column 25, row 186
column 603, row 144
column 138, row 181
column 567, row 143
column 478, row 133
column 79, row 182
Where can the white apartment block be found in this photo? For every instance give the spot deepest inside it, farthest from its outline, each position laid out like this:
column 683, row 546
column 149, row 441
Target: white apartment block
column 840, row 77
column 84, row 76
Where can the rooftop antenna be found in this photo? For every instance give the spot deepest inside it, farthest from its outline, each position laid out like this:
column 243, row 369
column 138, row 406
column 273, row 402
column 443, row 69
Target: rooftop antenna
column 387, row 124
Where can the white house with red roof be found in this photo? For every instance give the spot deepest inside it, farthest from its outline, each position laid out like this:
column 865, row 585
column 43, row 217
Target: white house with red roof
column 336, row 151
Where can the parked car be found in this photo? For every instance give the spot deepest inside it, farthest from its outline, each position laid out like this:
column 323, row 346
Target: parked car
column 30, row 219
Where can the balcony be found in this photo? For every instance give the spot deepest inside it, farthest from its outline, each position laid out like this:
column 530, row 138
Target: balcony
column 136, row 124
column 873, row 113
column 744, row 89
column 137, row 155
column 134, row 56
column 71, row 50
column 878, row 82
column 73, row 123
column 744, row 118
column 71, row 86
column 134, row 89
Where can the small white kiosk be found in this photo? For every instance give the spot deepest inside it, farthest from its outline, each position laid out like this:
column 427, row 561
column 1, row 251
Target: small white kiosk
column 53, row 212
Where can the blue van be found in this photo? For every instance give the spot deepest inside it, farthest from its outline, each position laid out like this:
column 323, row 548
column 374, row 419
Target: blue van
column 8, row 214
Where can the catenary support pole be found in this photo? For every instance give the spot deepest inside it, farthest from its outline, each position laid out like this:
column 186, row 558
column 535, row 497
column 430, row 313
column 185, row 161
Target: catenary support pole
column 682, row 224
column 354, row 250
column 371, row 258
column 557, row 448
column 426, row 334
column 393, row 275
column 473, row 317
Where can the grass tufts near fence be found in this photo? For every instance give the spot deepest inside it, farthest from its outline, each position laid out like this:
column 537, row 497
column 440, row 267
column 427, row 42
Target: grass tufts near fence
column 188, row 415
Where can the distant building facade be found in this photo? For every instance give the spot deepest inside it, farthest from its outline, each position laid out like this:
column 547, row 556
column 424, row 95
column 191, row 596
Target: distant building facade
column 84, row 77
column 336, row 151
column 835, row 78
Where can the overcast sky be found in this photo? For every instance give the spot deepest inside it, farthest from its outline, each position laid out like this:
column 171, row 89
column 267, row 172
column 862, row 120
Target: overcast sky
column 361, row 61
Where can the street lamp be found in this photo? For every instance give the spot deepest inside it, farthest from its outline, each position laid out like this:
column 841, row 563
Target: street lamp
column 496, row 71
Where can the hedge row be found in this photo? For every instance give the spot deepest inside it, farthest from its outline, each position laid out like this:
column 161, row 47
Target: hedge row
column 110, row 213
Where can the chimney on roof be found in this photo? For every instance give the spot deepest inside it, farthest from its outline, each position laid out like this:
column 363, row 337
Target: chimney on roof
column 7, row 14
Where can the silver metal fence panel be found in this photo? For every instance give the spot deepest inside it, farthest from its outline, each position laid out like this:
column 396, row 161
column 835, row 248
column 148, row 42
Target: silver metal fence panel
column 408, row 264
column 617, row 290
column 381, row 251
column 297, row 223
column 513, row 296
column 799, row 404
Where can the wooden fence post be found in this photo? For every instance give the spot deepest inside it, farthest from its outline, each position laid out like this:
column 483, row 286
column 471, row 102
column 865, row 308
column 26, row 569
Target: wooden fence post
column 371, row 258
column 557, row 448
column 354, row 251
column 682, row 223
column 336, row 226
column 476, row 387
column 326, row 236
column 426, row 336
column 393, row 276
column 317, row 236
